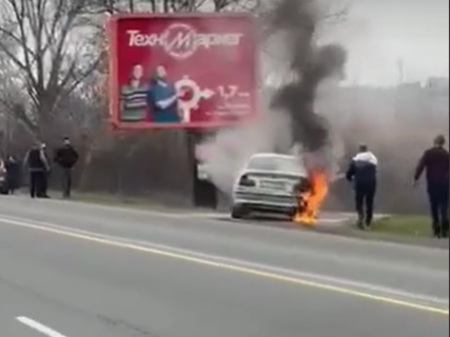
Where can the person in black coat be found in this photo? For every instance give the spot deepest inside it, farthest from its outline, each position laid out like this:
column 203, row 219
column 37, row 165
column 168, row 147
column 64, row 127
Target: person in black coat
column 66, row 157
column 3, row 185
column 12, row 167
column 38, row 167
column 362, row 172
column 435, row 161
column 46, row 176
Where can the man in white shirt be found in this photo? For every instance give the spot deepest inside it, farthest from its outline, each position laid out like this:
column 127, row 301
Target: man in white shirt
column 362, row 172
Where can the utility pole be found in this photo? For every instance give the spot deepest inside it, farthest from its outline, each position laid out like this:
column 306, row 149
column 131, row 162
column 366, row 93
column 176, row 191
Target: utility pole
column 400, row 81
column 401, row 71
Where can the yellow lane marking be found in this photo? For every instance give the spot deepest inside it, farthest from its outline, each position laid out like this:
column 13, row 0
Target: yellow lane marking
column 232, row 267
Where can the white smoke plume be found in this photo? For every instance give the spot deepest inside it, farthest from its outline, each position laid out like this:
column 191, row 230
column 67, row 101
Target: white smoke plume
column 288, row 122
column 225, row 153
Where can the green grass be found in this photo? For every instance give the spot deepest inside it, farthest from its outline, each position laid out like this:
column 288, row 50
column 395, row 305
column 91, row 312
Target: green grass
column 408, row 225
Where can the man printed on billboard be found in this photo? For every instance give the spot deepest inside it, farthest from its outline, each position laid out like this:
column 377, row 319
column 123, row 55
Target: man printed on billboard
column 163, row 98
column 133, row 95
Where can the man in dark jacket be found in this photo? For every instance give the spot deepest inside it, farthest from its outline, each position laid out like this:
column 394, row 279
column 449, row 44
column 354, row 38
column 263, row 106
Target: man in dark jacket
column 46, row 176
column 363, row 173
column 435, row 161
column 12, row 167
column 38, row 167
column 66, row 157
column 3, row 179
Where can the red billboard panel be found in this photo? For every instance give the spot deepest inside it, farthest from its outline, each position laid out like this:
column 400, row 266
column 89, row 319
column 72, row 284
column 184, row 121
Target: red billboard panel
column 182, row 70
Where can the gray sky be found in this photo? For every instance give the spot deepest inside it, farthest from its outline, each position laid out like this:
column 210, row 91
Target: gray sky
column 379, row 33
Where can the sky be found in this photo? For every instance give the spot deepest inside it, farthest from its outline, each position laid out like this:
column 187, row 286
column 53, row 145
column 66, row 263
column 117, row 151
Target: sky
column 383, row 34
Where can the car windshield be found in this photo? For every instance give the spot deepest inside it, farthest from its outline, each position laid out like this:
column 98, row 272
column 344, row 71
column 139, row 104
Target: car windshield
column 274, row 163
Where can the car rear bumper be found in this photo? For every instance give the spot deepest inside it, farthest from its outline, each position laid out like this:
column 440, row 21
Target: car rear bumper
column 286, row 204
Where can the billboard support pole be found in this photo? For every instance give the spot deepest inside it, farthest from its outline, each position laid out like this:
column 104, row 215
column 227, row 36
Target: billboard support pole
column 204, row 193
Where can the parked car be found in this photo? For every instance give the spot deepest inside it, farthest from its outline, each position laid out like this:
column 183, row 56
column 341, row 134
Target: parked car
column 268, row 183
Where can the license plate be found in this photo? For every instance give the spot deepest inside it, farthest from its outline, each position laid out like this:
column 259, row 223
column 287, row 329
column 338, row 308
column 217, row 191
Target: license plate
column 273, row 185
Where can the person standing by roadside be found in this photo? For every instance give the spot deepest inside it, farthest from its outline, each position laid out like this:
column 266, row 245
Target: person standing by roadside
column 37, row 165
column 3, row 182
column 66, row 157
column 435, row 161
column 46, row 176
column 362, row 172
column 12, row 167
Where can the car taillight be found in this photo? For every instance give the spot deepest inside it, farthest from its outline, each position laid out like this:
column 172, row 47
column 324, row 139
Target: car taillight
column 246, row 181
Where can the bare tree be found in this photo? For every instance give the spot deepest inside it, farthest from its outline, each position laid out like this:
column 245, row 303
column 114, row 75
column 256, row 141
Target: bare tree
column 51, row 51
column 44, row 43
column 169, row 6
column 55, row 56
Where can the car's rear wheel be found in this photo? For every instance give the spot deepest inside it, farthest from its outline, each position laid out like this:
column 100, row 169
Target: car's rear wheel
column 239, row 212
column 291, row 214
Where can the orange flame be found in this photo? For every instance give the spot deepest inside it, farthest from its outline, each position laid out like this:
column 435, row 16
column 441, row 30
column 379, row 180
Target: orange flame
column 309, row 202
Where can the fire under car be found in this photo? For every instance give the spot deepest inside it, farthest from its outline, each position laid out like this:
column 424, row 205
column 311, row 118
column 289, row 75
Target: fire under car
column 269, row 183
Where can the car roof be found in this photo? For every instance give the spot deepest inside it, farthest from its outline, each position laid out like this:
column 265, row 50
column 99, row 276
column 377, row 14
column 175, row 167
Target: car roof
column 301, row 170
column 272, row 155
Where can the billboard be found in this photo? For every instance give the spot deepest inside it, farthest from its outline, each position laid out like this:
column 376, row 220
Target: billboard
column 182, row 70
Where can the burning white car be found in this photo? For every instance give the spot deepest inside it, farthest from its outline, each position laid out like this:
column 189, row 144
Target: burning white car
column 269, row 183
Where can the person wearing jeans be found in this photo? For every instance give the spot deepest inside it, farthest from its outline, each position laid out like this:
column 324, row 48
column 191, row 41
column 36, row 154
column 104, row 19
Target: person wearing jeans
column 435, row 161
column 66, row 157
column 12, row 174
column 362, row 172
column 46, row 176
column 38, row 167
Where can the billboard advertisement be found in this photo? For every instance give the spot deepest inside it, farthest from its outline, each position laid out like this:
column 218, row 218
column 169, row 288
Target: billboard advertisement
column 182, row 70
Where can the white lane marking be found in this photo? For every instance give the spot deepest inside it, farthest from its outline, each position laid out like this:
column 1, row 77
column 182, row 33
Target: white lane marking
column 327, row 220
column 310, row 277
column 45, row 330
column 236, row 268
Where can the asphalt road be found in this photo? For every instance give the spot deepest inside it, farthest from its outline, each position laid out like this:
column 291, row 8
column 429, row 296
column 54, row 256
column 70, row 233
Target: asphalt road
column 71, row 270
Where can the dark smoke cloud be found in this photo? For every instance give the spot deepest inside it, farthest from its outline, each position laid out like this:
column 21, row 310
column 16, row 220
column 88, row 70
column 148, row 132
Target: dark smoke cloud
column 288, row 124
column 296, row 22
